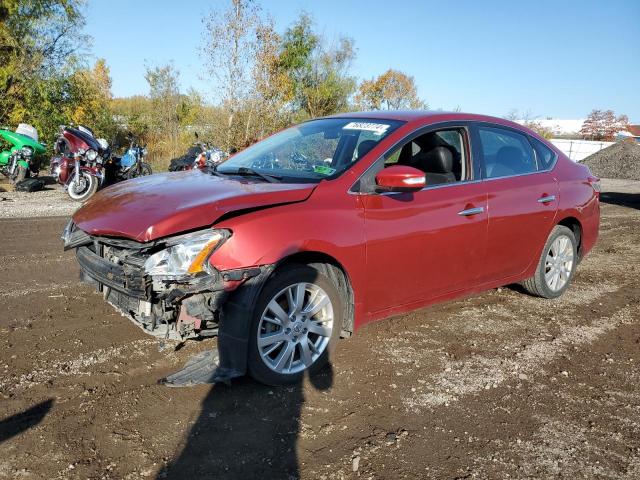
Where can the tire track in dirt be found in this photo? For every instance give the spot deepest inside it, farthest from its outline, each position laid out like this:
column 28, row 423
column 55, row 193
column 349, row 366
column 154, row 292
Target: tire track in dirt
column 480, row 373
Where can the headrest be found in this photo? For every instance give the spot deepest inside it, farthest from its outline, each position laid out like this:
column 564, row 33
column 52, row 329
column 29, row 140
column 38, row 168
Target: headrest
column 365, row 147
column 438, row 160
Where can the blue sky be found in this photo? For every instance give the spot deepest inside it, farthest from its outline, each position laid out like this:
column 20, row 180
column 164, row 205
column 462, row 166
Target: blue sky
column 551, row 58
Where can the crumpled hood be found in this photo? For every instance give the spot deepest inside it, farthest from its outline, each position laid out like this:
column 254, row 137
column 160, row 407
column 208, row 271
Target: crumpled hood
column 156, row 206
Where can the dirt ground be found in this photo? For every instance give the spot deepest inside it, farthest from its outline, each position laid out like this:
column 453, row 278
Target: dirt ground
column 500, row 385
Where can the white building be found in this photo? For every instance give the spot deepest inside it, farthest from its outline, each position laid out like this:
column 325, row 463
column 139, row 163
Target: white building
column 559, row 126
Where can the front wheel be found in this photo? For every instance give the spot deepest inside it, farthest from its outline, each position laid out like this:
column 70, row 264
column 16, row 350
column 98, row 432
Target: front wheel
column 556, row 266
column 296, row 323
column 81, row 191
column 21, row 174
column 139, row 171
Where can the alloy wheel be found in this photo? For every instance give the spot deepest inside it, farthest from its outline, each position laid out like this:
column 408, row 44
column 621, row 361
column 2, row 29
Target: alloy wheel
column 295, row 328
column 559, row 263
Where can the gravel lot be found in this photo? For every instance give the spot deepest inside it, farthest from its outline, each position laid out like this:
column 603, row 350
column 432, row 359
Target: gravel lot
column 50, row 202
column 621, row 160
column 499, row 385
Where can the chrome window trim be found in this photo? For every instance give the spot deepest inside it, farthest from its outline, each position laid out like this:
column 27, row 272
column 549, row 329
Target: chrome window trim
column 446, row 185
column 466, row 124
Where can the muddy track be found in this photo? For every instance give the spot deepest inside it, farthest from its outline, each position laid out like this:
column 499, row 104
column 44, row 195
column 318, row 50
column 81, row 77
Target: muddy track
column 494, row 386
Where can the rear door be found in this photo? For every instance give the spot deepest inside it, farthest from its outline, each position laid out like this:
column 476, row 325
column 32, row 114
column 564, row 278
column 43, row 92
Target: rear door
column 522, row 200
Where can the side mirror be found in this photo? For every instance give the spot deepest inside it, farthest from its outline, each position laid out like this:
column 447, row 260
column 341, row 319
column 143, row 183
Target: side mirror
column 400, row 178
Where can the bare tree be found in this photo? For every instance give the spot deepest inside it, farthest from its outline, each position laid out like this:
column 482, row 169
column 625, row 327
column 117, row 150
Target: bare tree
column 229, row 50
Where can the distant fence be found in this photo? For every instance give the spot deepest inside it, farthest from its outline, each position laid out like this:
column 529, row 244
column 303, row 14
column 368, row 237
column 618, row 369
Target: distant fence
column 578, row 150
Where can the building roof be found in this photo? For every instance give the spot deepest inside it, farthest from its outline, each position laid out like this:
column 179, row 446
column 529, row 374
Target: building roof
column 633, row 130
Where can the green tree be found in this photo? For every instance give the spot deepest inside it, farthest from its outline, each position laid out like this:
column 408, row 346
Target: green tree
column 164, row 93
column 38, row 39
column 317, row 77
column 89, row 91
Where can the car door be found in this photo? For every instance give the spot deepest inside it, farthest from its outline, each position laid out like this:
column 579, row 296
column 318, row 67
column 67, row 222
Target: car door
column 424, row 244
column 522, row 201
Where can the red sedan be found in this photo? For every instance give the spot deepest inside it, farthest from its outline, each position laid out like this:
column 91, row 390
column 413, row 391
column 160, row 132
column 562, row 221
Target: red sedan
column 319, row 229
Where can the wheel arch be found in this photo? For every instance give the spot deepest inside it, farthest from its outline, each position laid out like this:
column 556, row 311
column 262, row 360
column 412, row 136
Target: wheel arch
column 576, row 227
column 333, row 269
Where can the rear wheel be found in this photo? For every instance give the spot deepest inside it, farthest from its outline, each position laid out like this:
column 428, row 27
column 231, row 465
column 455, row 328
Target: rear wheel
column 296, row 323
column 139, row 171
column 81, row 190
column 556, row 266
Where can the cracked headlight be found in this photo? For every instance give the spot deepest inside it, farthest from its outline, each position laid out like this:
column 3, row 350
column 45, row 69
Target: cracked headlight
column 66, row 233
column 186, row 254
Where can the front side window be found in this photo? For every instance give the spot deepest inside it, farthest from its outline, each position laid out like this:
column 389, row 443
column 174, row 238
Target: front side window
column 505, row 152
column 441, row 155
column 311, row 151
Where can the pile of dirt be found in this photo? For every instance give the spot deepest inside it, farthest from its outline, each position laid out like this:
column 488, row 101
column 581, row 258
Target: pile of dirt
column 621, row 160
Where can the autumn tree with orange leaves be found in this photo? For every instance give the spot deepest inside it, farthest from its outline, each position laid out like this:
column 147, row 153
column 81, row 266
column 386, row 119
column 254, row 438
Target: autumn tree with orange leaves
column 393, row 90
column 603, row 125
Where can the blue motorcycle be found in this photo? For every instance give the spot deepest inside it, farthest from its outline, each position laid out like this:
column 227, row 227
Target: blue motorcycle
column 130, row 165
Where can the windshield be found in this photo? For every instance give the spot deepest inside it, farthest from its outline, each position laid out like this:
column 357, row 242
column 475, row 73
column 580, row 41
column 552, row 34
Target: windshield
column 311, row 151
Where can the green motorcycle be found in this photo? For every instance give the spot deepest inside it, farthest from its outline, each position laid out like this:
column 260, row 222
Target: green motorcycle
column 18, row 161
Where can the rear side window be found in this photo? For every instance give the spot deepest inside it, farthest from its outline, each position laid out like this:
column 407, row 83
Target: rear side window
column 546, row 157
column 506, row 152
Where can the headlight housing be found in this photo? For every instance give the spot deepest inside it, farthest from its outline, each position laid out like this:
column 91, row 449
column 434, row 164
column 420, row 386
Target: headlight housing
column 26, row 152
column 185, row 255
column 66, row 233
column 92, row 155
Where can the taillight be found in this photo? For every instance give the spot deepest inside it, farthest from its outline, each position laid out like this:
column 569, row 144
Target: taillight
column 595, row 184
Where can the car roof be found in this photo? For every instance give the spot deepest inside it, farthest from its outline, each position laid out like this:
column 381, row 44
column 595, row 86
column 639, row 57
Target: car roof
column 427, row 116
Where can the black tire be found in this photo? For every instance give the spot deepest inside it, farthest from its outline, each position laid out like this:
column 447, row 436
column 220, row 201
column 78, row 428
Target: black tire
column 281, row 279
column 21, row 174
column 145, row 169
column 537, row 285
column 91, row 183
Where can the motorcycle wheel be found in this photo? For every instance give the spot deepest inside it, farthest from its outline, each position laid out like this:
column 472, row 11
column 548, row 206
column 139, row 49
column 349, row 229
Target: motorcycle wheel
column 87, row 186
column 145, row 169
column 21, row 174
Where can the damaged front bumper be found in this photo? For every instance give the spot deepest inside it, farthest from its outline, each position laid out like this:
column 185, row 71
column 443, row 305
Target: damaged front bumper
column 176, row 309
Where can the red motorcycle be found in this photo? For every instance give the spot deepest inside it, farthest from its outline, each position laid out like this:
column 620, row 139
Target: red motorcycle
column 79, row 161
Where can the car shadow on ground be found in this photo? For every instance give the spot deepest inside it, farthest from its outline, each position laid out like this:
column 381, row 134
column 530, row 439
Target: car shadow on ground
column 631, row 200
column 20, row 422
column 245, row 431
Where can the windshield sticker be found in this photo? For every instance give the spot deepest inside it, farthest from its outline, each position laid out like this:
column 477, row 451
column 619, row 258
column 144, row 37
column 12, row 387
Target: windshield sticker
column 376, row 128
column 324, row 170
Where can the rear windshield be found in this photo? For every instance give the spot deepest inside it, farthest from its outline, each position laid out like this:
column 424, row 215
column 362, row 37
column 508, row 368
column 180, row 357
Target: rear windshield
column 313, row 150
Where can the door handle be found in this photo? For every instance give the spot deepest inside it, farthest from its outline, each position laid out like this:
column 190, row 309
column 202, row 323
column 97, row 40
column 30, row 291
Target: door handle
column 547, row 199
column 471, row 211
